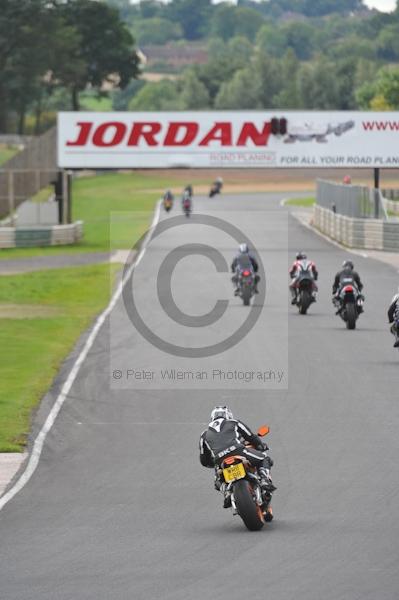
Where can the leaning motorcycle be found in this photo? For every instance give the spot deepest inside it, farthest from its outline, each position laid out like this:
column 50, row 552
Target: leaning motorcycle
column 246, row 285
column 350, row 305
column 240, row 480
column 305, row 286
column 215, row 189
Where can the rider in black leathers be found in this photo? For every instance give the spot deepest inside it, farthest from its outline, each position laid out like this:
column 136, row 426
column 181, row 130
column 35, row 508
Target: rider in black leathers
column 244, row 260
column 225, row 436
column 393, row 318
column 343, row 277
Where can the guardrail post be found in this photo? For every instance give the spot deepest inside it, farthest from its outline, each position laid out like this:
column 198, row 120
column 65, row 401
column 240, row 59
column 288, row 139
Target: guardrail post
column 11, row 195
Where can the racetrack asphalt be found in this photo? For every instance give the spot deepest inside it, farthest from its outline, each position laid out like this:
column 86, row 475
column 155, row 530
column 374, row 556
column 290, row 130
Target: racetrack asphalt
column 119, row 507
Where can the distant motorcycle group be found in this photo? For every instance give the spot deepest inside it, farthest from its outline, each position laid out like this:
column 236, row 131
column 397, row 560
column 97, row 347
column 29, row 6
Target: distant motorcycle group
column 187, row 197
column 347, row 289
column 347, row 293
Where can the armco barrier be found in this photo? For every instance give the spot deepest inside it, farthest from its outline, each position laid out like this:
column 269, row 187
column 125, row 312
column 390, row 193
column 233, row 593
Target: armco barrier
column 54, row 235
column 370, row 234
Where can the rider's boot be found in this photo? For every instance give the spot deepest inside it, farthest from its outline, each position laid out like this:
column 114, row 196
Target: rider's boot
column 266, row 482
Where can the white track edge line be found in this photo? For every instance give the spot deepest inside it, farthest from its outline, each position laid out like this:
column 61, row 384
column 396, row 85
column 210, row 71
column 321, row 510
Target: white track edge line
column 38, row 444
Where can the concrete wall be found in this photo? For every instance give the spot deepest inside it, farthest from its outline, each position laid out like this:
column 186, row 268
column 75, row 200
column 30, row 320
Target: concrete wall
column 392, row 206
column 55, row 235
column 371, row 234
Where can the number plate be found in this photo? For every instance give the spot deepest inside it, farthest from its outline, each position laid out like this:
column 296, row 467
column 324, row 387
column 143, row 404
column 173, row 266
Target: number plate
column 234, row 472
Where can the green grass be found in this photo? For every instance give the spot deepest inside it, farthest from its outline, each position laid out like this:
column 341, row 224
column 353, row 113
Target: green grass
column 301, row 201
column 7, row 152
column 32, row 349
column 96, row 104
column 95, row 198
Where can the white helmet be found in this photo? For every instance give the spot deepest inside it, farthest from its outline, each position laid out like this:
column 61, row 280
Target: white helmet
column 221, row 412
column 243, row 249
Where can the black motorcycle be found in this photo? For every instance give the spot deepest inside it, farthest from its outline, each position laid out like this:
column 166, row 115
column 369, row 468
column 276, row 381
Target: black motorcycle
column 350, row 304
column 216, row 188
column 187, row 207
column 245, row 285
column 238, row 480
column 305, row 287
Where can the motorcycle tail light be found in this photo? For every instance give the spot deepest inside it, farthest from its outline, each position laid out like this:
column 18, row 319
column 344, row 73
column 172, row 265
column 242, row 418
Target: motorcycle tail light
column 348, row 288
column 229, row 460
column 246, row 273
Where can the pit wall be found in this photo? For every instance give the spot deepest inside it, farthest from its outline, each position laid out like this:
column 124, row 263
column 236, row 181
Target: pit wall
column 54, row 235
column 368, row 234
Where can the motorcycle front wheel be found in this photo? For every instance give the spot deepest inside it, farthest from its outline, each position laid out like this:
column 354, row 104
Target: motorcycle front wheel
column 247, row 508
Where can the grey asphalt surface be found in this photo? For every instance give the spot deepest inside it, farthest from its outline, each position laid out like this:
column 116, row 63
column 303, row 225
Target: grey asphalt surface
column 119, row 507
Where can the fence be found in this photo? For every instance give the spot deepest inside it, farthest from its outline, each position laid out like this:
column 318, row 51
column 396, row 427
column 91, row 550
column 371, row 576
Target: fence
column 29, row 171
column 353, row 201
column 370, row 234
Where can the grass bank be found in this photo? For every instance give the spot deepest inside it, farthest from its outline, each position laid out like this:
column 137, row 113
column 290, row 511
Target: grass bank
column 42, row 315
column 301, row 201
column 95, row 198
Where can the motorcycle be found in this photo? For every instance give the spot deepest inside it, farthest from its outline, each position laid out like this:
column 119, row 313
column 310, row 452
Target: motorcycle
column 187, row 206
column 168, row 204
column 215, row 189
column 394, row 329
column 240, row 480
column 305, row 286
column 350, row 304
column 246, row 285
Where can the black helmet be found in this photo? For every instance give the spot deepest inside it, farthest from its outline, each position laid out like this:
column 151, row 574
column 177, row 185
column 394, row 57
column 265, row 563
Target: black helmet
column 348, row 264
column 301, row 256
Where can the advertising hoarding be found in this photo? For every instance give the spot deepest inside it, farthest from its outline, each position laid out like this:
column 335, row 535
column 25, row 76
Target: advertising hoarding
column 228, row 139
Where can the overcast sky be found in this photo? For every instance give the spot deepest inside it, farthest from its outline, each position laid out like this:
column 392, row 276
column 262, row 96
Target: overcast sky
column 384, row 5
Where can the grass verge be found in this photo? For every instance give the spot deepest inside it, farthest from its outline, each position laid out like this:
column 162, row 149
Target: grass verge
column 94, row 199
column 301, row 201
column 7, row 152
column 33, row 347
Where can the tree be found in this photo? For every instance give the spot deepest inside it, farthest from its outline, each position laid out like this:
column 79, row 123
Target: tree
column 271, row 40
column 194, row 95
column 162, row 95
column 267, row 73
column 106, row 49
column 247, row 22
column 241, row 92
column 388, row 86
column 288, row 96
column 156, row 31
column 317, row 85
column 192, row 15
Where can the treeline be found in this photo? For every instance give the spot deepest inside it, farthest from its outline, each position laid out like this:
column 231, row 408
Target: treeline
column 329, row 54
column 157, row 22
column 51, row 50
column 292, row 54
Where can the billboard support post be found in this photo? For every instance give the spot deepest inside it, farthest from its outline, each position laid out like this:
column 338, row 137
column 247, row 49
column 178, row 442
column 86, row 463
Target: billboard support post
column 376, row 192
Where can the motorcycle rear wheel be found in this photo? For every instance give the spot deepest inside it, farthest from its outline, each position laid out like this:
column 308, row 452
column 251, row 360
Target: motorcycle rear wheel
column 248, row 510
column 246, row 296
column 351, row 316
column 305, row 301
